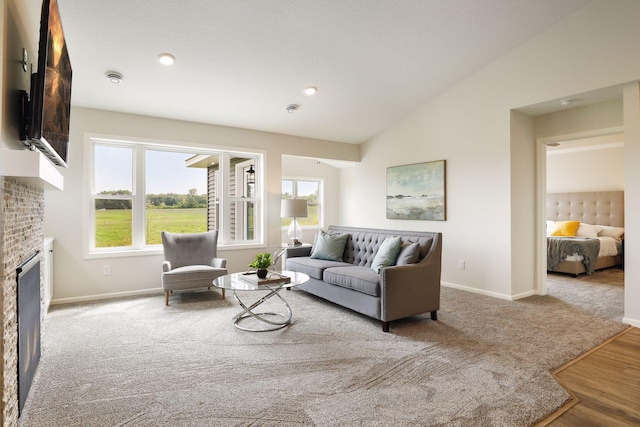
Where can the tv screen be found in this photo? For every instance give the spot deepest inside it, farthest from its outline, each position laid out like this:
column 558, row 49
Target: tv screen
column 51, row 89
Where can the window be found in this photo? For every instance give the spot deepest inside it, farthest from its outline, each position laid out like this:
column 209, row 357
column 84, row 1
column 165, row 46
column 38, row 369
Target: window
column 139, row 190
column 309, row 189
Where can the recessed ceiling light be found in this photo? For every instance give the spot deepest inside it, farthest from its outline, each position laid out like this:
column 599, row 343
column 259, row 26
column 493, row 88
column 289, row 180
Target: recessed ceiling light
column 565, row 102
column 166, row 58
column 291, row 108
column 310, row 90
column 114, row 77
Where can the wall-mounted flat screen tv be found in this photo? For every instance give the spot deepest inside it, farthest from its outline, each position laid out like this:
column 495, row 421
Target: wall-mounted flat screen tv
column 50, row 103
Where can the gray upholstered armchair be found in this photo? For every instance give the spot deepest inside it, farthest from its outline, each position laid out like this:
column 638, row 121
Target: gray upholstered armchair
column 190, row 261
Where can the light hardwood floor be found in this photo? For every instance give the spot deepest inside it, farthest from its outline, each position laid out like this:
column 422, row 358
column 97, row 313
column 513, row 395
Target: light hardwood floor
column 604, row 384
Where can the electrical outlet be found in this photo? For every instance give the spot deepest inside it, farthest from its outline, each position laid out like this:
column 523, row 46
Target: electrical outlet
column 461, row 264
column 106, row 269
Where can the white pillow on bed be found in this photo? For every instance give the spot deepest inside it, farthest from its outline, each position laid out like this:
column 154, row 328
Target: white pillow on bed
column 611, row 231
column 550, row 225
column 588, row 230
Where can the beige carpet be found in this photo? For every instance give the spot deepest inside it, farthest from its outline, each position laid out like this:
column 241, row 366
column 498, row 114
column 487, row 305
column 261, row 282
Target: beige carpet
column 485, row 362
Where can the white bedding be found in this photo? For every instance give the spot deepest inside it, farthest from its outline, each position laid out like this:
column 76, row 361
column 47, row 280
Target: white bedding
column 608, row 247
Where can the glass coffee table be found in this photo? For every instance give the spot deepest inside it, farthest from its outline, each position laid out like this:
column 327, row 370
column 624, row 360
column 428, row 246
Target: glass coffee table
column 273, row 284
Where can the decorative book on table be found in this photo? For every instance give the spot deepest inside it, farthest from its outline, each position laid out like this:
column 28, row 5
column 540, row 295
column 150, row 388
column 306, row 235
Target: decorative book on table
column 271, row 278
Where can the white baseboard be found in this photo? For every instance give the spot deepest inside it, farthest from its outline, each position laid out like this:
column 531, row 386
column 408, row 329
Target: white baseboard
column 632, row 322
column 523, row 295
column 107, row 296
column 488, row 293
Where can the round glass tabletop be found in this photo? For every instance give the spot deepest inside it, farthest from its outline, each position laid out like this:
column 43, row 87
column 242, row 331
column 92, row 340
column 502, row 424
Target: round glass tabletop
column 249, row 281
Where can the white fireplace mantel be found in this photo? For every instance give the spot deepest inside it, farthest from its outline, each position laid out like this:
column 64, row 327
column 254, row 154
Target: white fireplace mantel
column 32, row 168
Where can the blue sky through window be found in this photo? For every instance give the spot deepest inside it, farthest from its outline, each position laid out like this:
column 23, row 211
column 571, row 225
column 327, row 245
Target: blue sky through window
column 165, row 171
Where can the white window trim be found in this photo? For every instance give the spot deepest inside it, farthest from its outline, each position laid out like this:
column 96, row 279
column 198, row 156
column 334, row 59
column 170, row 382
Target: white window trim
column 239, row 171
column 91, row 252
column 321, row 198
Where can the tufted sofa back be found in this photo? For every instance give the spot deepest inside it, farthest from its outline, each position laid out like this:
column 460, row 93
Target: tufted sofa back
column 363, row 243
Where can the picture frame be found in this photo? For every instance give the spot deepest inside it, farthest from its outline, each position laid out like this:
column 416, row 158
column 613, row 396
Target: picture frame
column 417, row 191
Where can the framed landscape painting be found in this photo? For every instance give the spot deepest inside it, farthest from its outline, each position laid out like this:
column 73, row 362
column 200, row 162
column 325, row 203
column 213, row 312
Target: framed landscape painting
column 417, row 191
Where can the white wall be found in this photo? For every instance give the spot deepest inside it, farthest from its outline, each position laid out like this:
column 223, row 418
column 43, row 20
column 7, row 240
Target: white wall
column 632, row 203
column 12, row 77
column 489, row 178
column 78, row 278
column 591, row 151
column 587, row 169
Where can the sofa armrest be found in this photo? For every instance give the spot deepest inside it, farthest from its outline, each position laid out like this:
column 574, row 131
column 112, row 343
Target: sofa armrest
column 295, row 251
column 166, row 266
column 219, row 263
column 409, row 290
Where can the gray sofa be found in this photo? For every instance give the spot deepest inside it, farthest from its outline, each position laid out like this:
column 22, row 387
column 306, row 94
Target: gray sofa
column 396, row 292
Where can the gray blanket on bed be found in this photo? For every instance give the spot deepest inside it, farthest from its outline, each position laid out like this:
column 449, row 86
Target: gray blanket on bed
column 560, row 247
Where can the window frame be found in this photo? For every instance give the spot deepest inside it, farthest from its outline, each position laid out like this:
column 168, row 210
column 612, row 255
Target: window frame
column 320, row 181
column 138, row 198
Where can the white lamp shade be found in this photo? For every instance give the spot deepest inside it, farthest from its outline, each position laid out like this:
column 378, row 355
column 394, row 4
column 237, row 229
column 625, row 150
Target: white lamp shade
column 293, row 208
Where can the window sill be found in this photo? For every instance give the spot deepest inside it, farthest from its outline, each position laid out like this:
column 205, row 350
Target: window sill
column 123, row 253
column 157, row 250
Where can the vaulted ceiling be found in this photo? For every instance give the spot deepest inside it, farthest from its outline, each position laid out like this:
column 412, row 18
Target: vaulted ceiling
column 241, row 62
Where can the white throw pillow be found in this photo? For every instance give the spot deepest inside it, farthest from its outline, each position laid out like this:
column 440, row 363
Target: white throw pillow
column 611, row 231
column 588, row 230
column 550, row 225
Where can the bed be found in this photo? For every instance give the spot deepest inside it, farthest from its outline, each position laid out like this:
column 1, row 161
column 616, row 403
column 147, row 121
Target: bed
column 599, row 238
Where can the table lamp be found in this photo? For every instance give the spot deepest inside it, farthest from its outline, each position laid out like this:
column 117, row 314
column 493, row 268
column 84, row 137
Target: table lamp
column 294, row 208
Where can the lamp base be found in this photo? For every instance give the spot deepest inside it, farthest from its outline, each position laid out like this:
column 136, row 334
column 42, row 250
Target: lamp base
column 294, row 232
column 295, row 242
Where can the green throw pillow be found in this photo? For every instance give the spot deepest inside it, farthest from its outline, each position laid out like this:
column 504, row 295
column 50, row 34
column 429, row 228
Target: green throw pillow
column 329, row 246
column 387, row 253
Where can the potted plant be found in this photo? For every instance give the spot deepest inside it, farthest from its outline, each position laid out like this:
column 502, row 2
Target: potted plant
column 261, row 262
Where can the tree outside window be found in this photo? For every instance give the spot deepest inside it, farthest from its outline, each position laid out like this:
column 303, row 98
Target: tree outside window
column 181, row 190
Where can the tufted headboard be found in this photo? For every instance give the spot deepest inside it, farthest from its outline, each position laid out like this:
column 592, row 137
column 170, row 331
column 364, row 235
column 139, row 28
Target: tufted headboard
column 597, row 207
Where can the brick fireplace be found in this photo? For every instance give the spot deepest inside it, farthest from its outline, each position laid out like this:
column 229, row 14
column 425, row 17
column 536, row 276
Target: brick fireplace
column 21, row 235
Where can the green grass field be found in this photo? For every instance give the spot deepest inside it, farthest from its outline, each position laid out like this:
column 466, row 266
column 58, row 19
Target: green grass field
column 113, row 226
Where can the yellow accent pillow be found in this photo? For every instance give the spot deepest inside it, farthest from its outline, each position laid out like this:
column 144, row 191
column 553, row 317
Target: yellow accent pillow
column 565, row 228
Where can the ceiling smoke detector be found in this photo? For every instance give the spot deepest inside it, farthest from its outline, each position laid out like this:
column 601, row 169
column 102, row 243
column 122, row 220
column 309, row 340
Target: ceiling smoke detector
column 291, row 108
column 114, row 77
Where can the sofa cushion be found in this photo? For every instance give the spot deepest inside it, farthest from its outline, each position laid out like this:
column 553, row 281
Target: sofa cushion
column 387, row 253
column 193, row 273
column 358, row 278
column 311, row 266
column 329, row 246
column 409, row 253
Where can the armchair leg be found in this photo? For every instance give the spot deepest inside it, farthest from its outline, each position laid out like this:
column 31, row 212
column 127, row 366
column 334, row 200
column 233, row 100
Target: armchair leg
column 166, row 297
column 222, row 293
column 385, row 326
column 434, row 315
